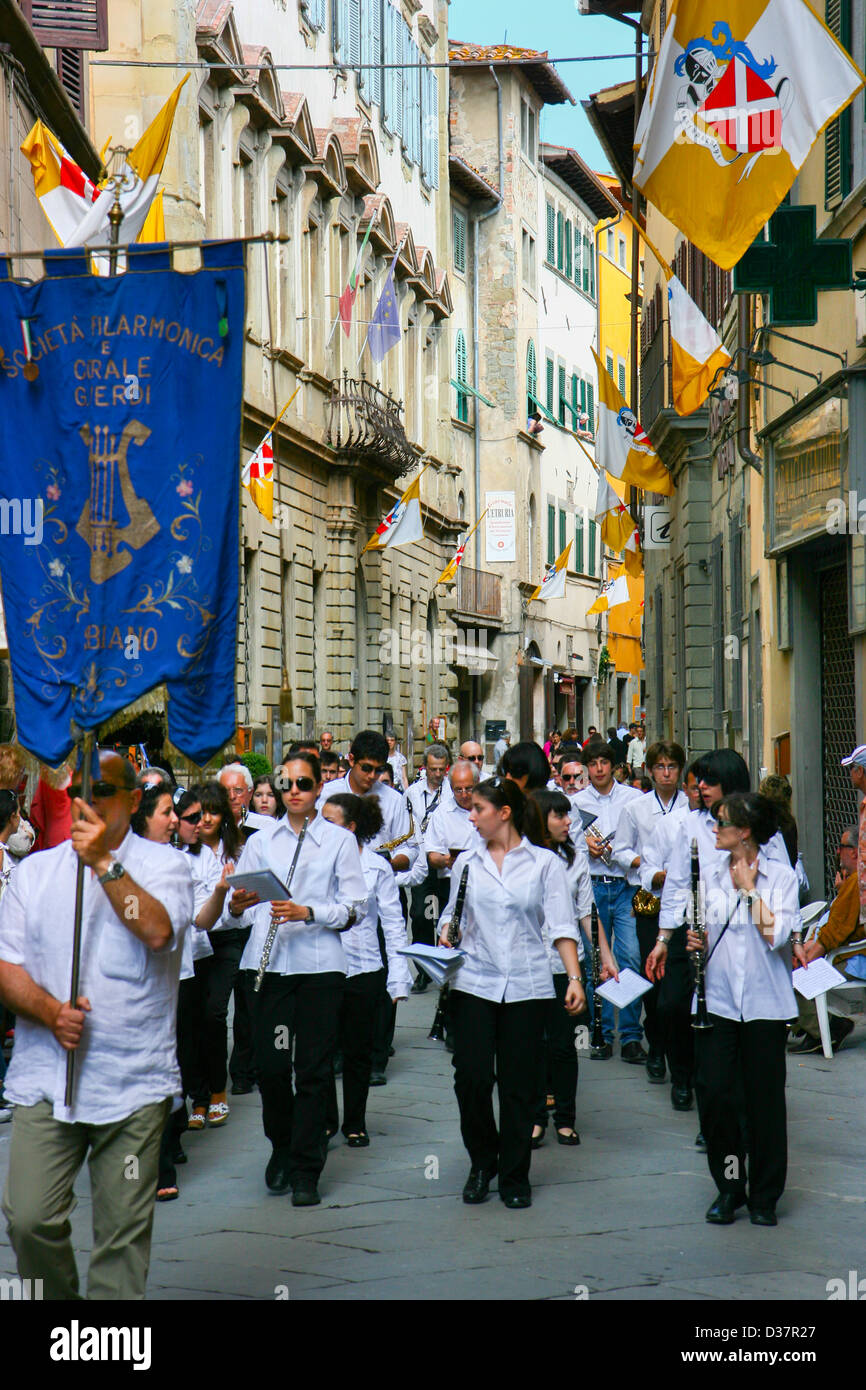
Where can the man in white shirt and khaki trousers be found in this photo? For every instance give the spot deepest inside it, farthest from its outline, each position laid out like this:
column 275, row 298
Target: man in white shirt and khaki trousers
column 138, row 901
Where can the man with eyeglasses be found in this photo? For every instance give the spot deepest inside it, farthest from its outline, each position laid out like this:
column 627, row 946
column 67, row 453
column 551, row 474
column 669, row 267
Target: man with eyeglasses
column 472, row 752
column 138, row 902
column 841, row 927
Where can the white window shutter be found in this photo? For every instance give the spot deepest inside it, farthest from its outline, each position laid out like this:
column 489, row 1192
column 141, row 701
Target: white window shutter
column 431, row 127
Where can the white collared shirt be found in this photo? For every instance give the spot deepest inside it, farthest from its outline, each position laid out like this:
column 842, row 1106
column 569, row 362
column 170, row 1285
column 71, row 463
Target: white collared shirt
column 684, row 827
column 206, row 868
column 328, row 879
column 580, row 885
column 127, row 1055
column 639, row 832
column 749, row 974
column 609, row 809
column 425, row 803
column 450, row 828
column 395, row 815
column 361, row 942
column 508, row 920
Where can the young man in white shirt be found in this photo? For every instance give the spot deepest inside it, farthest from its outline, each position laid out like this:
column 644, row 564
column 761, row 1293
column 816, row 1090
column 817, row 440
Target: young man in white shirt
column 607, row 799
column 428, row 892
column 126, row 1074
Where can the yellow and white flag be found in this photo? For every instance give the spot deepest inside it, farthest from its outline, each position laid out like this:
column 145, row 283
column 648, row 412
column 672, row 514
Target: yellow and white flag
column 633, row 556
column 614, row 591
column 450, row 571
column 402, row 525
column 612, row 515
column 621, row 445
column 258, row 477
column 739, row 94
column 696, row 350
column 64, row 191
column 553, row 583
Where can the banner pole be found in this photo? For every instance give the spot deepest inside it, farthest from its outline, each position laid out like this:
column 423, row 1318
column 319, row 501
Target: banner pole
column 86, row 761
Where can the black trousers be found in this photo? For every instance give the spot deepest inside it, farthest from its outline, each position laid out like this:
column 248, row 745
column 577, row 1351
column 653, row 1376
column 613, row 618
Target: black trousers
column 673, row 1011
column 190, row 1012
column 220, row 973
column 295, row 1021
column 191, row 1054
column 647, row 933
column 427, row 905
column 740, row 1084
column 558, row 1069
column 241, row 1066
column 356, row 1020
column 505, row 1042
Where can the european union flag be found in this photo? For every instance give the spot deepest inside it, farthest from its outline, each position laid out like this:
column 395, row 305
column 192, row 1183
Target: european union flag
column 120, row 412
column 384, row 331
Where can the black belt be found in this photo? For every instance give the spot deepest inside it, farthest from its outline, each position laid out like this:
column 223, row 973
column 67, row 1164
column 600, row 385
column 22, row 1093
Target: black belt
column 608, row 878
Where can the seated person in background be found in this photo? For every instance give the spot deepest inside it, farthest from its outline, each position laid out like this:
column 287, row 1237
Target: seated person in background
column 842, row 925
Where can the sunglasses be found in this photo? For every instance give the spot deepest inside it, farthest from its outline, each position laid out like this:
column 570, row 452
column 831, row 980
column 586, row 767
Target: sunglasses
column 367, row 767
column 192, row 819
column 101, row 791
column 303, row 784
column 474, row 758
column 570, row 776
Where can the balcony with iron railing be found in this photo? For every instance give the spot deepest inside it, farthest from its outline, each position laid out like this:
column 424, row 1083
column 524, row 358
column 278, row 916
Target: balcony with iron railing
column 364, row 422
column 479, row 596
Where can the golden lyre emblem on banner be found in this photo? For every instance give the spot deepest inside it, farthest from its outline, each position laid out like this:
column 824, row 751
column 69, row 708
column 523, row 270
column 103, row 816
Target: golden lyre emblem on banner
column 109, row 475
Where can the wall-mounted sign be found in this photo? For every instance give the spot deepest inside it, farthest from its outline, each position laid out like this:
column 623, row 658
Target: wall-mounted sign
column 657, row 527
column 499, row 527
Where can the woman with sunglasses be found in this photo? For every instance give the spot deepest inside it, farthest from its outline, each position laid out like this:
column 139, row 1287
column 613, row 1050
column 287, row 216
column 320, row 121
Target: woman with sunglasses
column 302, row 988
column 517, row 899
column 366, row 977
column 217, row 852
column 751, row 912
column 549, row 829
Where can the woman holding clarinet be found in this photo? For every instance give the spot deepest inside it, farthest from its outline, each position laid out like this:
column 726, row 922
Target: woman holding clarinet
column 515, row 897
column 750, row 909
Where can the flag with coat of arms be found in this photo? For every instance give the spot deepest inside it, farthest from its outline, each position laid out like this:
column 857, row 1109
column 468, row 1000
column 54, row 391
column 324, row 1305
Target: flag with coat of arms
column 553, row 583
column 258, row 476
column 402, row 525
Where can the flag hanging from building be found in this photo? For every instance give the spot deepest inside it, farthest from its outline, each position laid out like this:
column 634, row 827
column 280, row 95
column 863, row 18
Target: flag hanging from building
column 613, row 591
column 258, row 477
column 384, row 330
column 612, row 515
column 64, row 191
column 553, row 583
column 696, row 350
column 450, row 570
column 621, row 445
column 738, row 96
column 347, row 298
column 402, row 525
column 120, row 566
column 633, row 555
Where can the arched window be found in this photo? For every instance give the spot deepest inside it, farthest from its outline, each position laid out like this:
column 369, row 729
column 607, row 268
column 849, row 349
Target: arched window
column 460, row 374
column 531, row 379
column 461, row 505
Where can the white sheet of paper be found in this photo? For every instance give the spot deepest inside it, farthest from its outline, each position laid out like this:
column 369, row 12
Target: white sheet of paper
column 263, row 882
column 816, row 978
column 624, row 991
column 439, row 962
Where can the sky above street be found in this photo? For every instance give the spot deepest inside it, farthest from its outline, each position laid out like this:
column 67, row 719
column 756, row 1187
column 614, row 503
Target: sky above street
column 558, row 27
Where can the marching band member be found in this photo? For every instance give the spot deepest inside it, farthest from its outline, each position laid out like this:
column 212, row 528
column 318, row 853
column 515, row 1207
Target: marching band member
column 607, row 799
column 517, row 898
column 558, row 1075
column 427, row 887
column 369, row 752
column 303, row 983
column 751, row 909
column 365, row 974
column 451, row 829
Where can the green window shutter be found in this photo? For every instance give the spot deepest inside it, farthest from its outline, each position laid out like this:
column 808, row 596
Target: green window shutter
column 551, row 234
column 590, row 248
column 578, row 542
column 549, row 384
column 562, row 524
column 590, row 405
column 620, row 375
column 837, row 137
column 582, row 396
column 575, row 423
column 586, row 265
column 551, row 534
column 590, row 559
column 462, row 396
column 561, row 384
column 568, row 244
column 560, row 225
column 578, row 256
column 531, row 378
column 459, row 234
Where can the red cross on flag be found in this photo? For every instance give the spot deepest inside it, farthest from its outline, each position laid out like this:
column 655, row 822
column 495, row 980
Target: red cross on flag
column 743, row 111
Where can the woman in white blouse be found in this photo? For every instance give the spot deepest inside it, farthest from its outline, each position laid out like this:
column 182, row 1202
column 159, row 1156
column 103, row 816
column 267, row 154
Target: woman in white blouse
column 558, row 1074
column 365, row 974
column 517, row 899
column 750, row 912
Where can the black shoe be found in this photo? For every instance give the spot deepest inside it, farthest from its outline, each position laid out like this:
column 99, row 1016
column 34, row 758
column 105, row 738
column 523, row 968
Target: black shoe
column 538, row 1139
column 378, row 1078
column 571, row 1136
column 839, row 1030
column 681, row 1098
column 634, row 1053
column 361, row 1140
column 655, row 1067
column 242, row 1088
column 305, row 1193
column 723, row 1210
column 449, row 1042
column 517, row 1200
column 601, row 1054
column 277, row 1176
column 421, row 983
column 477, row 1185
column 805, row 1044
column 338, row 1064
column 701, row 1143
column 763, row 1216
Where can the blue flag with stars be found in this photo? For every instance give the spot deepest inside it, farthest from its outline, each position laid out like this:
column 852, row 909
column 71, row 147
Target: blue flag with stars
column 384, row 332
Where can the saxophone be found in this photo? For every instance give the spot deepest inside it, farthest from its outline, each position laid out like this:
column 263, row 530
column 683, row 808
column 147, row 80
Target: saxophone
column 400, row 840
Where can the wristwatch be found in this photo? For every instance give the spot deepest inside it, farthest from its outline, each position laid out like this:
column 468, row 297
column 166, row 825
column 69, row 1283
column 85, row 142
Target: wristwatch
column 115, row 870
column 662, row 940
column 311, row 916
column 578, row 979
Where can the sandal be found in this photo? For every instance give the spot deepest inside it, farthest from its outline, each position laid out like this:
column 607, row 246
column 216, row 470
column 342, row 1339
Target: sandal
column 197, row 1118
column 567, row 1136
column 538, row 1139
column 166, row 1194
column 358, row 1141
column 217, row 1114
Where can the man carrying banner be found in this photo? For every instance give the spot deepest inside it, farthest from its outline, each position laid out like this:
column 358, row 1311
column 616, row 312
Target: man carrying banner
column 138, row 902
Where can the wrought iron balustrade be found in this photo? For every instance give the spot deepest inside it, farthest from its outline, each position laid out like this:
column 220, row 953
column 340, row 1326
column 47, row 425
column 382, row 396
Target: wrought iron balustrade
column 365, row 422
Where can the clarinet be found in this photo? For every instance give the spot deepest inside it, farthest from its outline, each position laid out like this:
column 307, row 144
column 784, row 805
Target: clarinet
column 701, row 1020
column 437, row 1031
column 272, row 930
column 597, row 1039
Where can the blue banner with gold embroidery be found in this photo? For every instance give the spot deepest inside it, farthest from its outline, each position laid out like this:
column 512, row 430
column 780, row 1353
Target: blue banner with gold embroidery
column 120, row 415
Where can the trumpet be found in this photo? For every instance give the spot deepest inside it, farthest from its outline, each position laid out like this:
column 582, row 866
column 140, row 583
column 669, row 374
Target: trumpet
column 701, row 1021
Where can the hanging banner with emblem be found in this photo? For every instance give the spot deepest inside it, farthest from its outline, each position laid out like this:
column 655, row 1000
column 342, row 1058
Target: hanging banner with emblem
column 120, row 410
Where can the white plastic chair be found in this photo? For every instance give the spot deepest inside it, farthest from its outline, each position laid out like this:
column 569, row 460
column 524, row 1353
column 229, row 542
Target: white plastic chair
column 822, row 1001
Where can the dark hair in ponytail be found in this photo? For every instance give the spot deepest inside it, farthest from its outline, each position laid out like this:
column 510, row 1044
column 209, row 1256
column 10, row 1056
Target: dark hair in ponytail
column 545, row 801
column 500, row 791
column 364, row 812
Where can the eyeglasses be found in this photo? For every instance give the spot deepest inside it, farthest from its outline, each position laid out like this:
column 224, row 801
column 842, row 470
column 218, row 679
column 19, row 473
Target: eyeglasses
column 101, row 791
column 303, row 784
column 192, row 819
column 367, row 767
column 723, row 824
column 236, row 791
